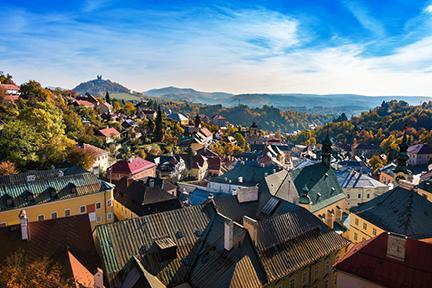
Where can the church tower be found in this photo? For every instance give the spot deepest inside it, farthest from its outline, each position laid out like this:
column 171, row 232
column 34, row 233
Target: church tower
column 401, row 170
column 326, row 151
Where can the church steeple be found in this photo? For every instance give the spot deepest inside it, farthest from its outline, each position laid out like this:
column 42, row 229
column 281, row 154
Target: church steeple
column 401, row 170
column 326, row 151
column 403, row 155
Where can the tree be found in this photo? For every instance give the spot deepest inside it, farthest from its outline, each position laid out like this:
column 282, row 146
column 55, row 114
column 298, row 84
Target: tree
column 129, row 108
column 7, row 168
column 19, row 272
column 158, row 127
column 81, row 157
column 197, row 121
column 376, row 163
column 107, row 97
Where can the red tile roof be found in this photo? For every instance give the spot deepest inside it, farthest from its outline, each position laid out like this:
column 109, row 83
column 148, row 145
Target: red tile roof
column 368, row 260
column 79, row 272
column 133, row 166
column 9, row 87
column 97, row 151
column 83, row 103
column 206, row 132
column 109, row 132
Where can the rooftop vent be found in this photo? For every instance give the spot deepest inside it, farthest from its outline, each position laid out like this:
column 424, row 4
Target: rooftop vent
column 31, row 178
column 166, row 249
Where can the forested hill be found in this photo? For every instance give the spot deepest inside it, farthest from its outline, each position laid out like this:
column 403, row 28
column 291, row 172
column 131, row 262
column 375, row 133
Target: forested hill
column 382, row 126
column 100, row 86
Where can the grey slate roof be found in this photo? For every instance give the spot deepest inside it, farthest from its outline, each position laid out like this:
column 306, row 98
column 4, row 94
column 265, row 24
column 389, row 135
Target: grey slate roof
column 349, row 178
column 251, row 172
column 215, row 267
column 280, row 184
column 401, row 211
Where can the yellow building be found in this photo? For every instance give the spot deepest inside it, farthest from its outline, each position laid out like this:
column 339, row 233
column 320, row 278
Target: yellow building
column 401, row 210
column 55, row 193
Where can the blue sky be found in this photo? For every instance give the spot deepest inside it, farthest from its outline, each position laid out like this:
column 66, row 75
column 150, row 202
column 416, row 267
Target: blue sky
column 341, row 46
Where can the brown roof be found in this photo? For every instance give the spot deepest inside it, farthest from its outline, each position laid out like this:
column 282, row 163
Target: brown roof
column 206, row 132
column 109, row 132
column 83, row 103
column 53, row 239
column 79, row 273
column 96, row 150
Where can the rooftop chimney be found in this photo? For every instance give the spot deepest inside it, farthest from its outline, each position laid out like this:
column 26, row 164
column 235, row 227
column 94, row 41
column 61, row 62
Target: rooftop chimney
column 251, row 225
column 24, row 225
column 228, row 234
column 98, row 278
column 396, row 246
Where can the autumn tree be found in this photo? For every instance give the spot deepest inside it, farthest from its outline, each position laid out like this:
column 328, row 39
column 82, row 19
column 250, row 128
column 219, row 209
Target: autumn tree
column 80, row 157
column 7, row 168
column 20, row 272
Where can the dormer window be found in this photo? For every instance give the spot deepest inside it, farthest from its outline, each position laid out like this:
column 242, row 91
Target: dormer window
column 9, row 202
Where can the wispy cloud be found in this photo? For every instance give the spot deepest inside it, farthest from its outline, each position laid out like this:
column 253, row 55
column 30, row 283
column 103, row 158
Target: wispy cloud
column 428, row 9
column 364, row 17
column 212, row 48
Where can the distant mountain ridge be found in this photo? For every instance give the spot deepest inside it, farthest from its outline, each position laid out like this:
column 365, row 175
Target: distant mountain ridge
column 314, row 103
column 190, row 95
column 100, row 86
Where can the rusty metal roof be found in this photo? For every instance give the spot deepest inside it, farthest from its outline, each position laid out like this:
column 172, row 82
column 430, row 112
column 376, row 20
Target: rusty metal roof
column 122, row 240
column 293, row 240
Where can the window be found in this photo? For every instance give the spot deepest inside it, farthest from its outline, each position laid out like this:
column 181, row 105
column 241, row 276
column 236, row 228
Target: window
column 374, row 232
column 41, row 217
column 363, row 239
column 2, row 224
column 356, row 221
column 54, row 215
column 359, row 196
column 98, row 219
column 367, row 196
column 348, row 196
column 315, row 273
column 67, row 212
column 327, row 265
column 109, row 216
column 364, row 226
column 9, row 202
column 110, row 203
column 292, row 283
column 82, row 209
column 355, row 236
column 305, row 278
column 98, row 205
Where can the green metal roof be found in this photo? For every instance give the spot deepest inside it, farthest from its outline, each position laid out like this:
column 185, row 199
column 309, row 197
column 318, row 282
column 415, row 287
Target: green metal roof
column 321, row 182
column 44, row 190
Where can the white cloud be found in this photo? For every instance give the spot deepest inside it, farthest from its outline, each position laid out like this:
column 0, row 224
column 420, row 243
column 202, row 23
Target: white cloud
column 428, row 9
column 240, row 51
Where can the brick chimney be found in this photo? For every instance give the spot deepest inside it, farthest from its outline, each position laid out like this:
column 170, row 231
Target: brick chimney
column 396, row 246
column 98, row 278
column 24, row 225
column 251, row 225
column 228, row 234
